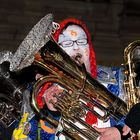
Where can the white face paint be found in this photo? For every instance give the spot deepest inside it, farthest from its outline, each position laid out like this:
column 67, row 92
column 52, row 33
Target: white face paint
column 73, row 41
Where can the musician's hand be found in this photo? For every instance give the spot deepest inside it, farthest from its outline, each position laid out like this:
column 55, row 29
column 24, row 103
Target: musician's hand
column 126, row 130
column 49, row 96
column 109, row 133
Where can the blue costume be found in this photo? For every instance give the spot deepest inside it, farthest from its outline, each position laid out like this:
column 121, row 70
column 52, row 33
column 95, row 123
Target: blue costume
column 112, row 78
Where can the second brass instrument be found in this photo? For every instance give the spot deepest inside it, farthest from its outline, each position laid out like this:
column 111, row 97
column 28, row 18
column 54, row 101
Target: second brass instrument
column 131, row 84
column 80, row 88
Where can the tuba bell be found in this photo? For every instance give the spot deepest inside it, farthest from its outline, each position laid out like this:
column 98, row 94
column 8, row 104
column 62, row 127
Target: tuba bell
column 80, row 88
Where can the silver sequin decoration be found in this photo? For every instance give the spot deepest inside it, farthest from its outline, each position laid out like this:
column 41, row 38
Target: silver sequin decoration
column 37, row 38
column 5, row 56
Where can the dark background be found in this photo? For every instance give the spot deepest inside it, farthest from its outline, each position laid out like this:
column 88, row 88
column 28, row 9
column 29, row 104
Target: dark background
column 113, row 24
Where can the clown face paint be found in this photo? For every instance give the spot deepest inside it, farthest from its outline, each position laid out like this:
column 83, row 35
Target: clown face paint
column 73, row 40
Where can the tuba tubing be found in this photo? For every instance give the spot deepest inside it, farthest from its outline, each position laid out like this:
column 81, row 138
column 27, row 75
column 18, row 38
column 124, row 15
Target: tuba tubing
column 85, row 89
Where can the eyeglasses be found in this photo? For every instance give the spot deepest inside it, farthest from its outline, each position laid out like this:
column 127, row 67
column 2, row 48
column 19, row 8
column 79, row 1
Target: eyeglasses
column 70, row 43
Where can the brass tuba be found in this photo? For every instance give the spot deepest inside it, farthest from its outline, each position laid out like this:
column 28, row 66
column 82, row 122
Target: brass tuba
column 80, row 88
column 131, row 84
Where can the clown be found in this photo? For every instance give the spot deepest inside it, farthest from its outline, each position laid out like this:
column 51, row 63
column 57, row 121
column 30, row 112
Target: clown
column 74, row 38
column 74, row 42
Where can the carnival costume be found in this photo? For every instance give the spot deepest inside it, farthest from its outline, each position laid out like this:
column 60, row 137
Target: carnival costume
column 30, row 126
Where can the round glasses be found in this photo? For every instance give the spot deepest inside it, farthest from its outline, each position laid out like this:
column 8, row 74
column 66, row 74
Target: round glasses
column 70, row 43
